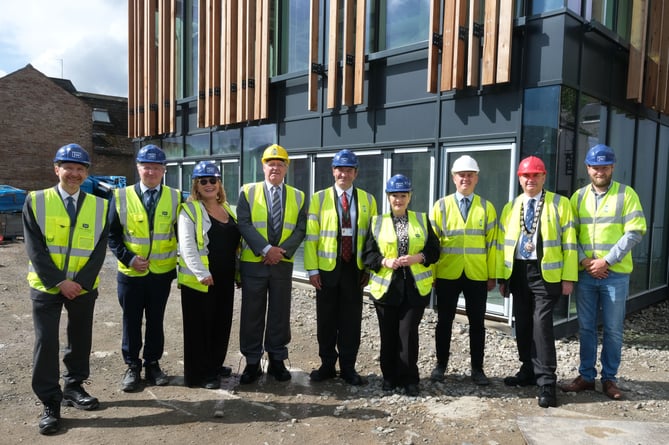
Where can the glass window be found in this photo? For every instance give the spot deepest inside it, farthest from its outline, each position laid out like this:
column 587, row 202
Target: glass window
column 173, row 147
column 539, row 6
column 657, row 226
column 255, row 140
column 614, row 14
column 370, row 177
column 226, row 142
column 417, row 167
column 197, row 145
column 621, row 140
column 100, row 115
column 230, row 179
column 172, row 176
column 299, row 177
column 294, row 36
column 540, row 128
column 592, row 117
column 574, row 5
column 401, row 22
column 186, row 176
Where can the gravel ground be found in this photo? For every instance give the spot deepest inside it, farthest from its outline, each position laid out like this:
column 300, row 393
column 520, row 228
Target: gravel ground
column 453, row 412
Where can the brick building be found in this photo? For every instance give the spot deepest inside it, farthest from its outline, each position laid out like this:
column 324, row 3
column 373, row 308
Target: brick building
column 41, row 114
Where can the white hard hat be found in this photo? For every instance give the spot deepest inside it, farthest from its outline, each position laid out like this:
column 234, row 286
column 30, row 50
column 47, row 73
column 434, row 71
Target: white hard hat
column 465, row 163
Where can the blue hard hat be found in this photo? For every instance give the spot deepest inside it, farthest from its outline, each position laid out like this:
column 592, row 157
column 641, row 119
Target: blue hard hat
column 151, row 154
column 600, row 154
column 205, row 169
column 345, row 158
column 72, row 153
column 398, row 183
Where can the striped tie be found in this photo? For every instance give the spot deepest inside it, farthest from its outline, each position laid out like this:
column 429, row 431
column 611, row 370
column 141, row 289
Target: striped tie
column 71, row 210
column 276, row 212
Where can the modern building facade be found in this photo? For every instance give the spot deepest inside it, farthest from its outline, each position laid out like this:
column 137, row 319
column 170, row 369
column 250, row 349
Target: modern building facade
column 409, row 85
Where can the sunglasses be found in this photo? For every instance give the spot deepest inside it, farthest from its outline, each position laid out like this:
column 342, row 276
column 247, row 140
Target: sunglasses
column 212, row 181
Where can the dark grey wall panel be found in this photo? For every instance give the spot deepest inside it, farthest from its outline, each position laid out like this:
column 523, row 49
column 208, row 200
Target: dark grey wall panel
column 482, row 116
column 596, row 65
column 544, row 43
column 350, row 129
column 304, row 133
column 573, row 35
column 399, row 79
column 407, row 123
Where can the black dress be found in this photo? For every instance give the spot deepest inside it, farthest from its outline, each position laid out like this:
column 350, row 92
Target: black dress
column 207, row 316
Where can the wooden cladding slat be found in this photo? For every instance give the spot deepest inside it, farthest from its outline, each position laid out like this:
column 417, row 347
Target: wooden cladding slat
column 332, row 54
column 637, row 47
column 241, row 59
column 650, row 76
column 473, row 44
column 505, row 34
column 662, row 89
column 347, row 66
column 314, row 76
column 132, row 21
column 151, row 75
column 447, row 51
column 458, row 81
column 231, row 65
column 359, row 78
column 433, row 46
column 139, row 73
column 489, row 60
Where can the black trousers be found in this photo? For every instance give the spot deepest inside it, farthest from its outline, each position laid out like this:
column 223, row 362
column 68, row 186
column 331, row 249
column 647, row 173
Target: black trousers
column 339, row 315
column 46, row 311
column 476, row 295
column 533, row 302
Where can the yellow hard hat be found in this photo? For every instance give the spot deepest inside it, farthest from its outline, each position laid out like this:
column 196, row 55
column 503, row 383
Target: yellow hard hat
column 275, row 151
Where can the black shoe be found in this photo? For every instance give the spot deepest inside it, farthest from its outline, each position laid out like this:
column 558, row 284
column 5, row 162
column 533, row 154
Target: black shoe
column 49, row 420
column 211, row 383
column 323, row 373
column 225, row 371
column 547, row 396
column 412, row 390
column 520, row 379
column 388, row 385
column 352, row 377
column 154, row 375
column 130, row 381
column 438, row 372
column 479, row 377
column 75, row 395
column 251, row 373
column 277, row 369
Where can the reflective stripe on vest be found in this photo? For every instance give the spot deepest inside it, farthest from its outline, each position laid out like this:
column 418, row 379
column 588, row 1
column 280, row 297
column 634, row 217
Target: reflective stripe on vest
column 70, row 247
column 159, row 245
column 383, row 231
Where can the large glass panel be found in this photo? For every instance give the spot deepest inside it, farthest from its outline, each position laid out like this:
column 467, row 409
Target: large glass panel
column 539, row 6
column 566, row 141
column 294, row 37
column 299, row 177
column 255, row 140
column 172, row 172
column 540, row 128
column 173, row 147
column 592, row 116
column 226, row 142
column 402, row 22
column 574, row 5
column 621, row 140
column 417, row 167
column 230, row 179
column 197, row 145
column 370, row 177
column 657, row 228
column 643, row 185
column 186, row 177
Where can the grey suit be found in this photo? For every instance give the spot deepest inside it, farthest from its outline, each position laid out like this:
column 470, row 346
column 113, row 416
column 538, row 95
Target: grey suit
column 266, row 289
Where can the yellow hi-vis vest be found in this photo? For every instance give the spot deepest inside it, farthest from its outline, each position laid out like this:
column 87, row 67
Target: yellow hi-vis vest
column 194, row 211
column 559, row 261
column 469, row 246
column 619, row 211
column 255, row 196
column 159, row 245
column 321, row 243
column 384, row 233
column 69, row 247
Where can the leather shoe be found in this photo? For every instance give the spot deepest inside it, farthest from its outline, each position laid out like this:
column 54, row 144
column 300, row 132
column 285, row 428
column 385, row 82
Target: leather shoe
column 352, row 377
column 277, row 369
column 155, row 375
column 520, row 379
column 323, row 373
column 412, row 390
column 225, row 371
column 251, row 373
column 479, row 377
column 547, row 396
column 438, row 372
column 577, row 385
column 388, row 385
column 211, row 383
column 611, row 390
column 130, row 381
column 75, row 395
column 50, row 419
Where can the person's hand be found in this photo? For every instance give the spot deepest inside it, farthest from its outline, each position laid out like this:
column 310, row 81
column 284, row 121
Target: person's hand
column 315, row 281
column 364, row 279
column 567, row 287
column 70, row 289
column 140, row 264
column 491, row 284
column 597, row 268
column 274, row 255
column 207, row 281
column 391, row 263
column 503, row 290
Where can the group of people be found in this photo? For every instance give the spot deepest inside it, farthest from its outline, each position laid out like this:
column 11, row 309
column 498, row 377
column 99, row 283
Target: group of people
column 541, row 247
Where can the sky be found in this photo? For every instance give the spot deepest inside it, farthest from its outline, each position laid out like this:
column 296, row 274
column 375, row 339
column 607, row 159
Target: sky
column 85, row 41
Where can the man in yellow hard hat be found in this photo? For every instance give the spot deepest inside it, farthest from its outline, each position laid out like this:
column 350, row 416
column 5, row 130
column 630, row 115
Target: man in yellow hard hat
column 272, row 219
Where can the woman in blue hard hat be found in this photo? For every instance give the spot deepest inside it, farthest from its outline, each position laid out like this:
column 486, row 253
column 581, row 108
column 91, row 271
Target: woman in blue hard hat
column 399, row 250
column 208, row 247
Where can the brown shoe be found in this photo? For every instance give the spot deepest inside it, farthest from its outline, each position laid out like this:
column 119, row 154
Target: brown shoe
column 577, row 385
column 611, row 390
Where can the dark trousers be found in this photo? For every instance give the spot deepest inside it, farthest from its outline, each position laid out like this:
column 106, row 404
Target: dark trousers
column 339, row 315
column 533, row 302
column 143, row 298
column 46, row 311
column 266, row 292
column 398, row 326
column 476, row 295
column 207, row 320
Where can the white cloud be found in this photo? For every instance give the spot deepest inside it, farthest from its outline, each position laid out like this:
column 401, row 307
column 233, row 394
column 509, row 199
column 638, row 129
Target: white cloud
column 83, row 41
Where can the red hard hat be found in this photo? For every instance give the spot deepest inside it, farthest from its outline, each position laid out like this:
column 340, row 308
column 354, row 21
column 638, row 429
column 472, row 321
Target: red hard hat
column 531, row 164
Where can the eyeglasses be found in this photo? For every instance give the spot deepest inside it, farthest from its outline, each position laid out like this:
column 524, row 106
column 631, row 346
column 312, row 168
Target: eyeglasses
column 212, row 181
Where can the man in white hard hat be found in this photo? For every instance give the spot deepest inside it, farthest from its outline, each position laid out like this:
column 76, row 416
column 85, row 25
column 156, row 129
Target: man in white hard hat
column 466, row 225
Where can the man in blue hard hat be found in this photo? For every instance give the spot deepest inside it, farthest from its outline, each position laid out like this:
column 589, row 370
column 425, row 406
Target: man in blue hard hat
column 143, row 238
column 66, row 237
column 337, row 226
column 609, row 223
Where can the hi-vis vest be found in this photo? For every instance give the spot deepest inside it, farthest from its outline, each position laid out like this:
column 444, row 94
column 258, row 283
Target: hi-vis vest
column 255, row 196
column 159, row 246
column 558, row 239
column 69, row 247
column 194, row 211
column 619, row 211
column 469, row 246
column 322, row 241
column 383, row 231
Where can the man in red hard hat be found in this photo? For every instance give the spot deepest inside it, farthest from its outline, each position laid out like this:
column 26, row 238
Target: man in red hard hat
column 537, row 263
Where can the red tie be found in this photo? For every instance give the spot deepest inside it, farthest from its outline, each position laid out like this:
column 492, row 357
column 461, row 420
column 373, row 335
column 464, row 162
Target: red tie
column 346, row 241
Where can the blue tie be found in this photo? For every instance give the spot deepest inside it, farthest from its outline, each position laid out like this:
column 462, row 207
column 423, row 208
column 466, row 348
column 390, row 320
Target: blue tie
column 529, row 219
column 464, row 207
column 71, row 210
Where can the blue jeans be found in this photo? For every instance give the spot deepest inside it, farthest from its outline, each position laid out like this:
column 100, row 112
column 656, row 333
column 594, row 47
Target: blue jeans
column 609, row 295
